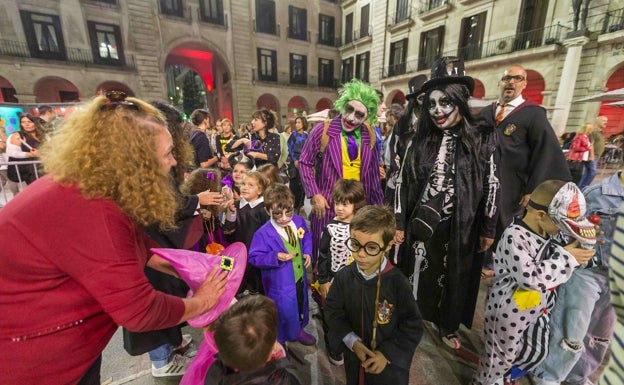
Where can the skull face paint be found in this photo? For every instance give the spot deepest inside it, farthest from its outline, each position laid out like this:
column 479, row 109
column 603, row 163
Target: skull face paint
column 444, row 113
column 354, row 114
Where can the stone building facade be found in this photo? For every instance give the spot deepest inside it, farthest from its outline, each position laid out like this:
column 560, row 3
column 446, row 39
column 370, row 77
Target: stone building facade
column 250, row 53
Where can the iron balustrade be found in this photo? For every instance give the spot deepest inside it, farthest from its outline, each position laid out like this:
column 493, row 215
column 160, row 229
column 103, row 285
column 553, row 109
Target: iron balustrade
column 72, row 55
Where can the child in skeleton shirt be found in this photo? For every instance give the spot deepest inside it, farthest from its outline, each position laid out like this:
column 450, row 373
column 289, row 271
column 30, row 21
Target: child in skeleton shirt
column 348, row 196
column 529, row 265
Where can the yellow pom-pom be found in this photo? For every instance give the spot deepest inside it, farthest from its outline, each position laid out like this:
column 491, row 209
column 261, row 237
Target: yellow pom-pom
column 526, row 299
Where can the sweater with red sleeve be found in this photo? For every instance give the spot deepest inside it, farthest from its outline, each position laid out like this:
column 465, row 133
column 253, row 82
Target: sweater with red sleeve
column 72, row 271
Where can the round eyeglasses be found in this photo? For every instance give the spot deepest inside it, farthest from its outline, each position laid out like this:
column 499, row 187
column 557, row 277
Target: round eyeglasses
column 370, row 248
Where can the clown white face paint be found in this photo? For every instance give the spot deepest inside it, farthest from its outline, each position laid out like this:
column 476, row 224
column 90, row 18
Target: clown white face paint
column 354, row 114
column 444, row 113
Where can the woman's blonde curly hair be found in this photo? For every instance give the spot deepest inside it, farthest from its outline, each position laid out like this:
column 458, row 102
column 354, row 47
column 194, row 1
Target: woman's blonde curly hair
column 111, row 154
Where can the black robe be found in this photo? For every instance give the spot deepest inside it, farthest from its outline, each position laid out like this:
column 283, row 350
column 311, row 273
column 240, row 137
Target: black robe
column 529, row 154
column 350, row 307
column 473, row 215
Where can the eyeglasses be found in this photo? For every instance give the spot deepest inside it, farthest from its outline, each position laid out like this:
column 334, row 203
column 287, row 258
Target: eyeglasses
column 117, row 98
column 279, row 213
column 516, row 78
column 370, row 248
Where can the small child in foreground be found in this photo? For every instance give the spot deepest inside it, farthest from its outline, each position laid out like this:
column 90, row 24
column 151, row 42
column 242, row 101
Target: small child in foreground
column 281, row 249
column 246, row 336
column 372, row 317
column 529, row 264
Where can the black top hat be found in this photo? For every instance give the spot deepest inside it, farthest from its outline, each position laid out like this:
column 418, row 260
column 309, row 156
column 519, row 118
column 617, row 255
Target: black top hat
column 415, row 85
column 448, row 70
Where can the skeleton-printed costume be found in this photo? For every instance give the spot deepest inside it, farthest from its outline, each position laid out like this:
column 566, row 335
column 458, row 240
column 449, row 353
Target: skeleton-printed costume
column 445, row 270
column 528, row 268
column 333, row 252
column 350, row 308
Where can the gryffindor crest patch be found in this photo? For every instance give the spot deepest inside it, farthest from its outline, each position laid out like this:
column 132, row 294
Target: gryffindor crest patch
column 384, row 311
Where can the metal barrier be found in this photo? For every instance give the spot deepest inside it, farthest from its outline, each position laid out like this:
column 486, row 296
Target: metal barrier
column 8, row 188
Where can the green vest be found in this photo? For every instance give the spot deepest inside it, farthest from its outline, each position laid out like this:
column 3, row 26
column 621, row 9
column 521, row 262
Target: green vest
column 297, row 261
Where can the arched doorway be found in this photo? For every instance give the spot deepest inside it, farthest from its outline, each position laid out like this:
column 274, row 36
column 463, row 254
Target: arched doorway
column 479, row 90
column 7, row 91
column 324, row 104
column 296, row 106
column 268, row 101
column 54, row 89
column 615, row 125
column 204, row 74
column 396, row 97
column 113, row 86
column 535, row 87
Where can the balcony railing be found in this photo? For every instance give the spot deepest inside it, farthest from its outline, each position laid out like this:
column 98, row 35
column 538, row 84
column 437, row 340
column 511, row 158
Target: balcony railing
column 283, row 79
column 613, row 21
column 294, row 34
column 328, row 41
column 356, row 35
column 180, row 12
column 532, row 39
column 219, row 19
column 268, row 29
column 73, row 55
column 399, row 17
column 431, row 5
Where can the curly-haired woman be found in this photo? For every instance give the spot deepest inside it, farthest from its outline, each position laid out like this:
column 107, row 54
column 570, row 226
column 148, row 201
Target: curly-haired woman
column 73, row 249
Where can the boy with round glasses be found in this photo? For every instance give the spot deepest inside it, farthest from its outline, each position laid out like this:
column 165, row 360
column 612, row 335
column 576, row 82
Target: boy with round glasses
column 281, row 249
column 370, row 318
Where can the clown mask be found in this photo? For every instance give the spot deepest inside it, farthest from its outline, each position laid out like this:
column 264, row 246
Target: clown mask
column 443, row 112
column 567, row 210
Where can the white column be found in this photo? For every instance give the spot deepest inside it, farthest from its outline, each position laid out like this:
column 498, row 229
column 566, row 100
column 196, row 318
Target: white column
column 567, row 82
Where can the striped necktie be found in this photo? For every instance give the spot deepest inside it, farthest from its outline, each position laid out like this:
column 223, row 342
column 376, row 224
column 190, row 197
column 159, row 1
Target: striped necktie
column 500, row 115
column 291, row 236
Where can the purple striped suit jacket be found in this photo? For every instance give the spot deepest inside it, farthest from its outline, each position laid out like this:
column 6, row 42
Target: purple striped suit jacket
column 331, row 164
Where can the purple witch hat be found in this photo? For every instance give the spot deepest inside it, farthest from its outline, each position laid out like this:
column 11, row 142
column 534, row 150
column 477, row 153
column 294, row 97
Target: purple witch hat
column 194, row 267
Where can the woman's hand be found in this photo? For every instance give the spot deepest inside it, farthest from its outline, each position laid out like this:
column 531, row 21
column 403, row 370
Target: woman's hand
column 307, row 260
column 210, row 198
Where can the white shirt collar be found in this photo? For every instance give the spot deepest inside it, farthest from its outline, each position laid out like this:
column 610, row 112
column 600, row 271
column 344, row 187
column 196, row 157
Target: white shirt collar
column 244, row 202
column 514, row 103
column 384, row 261
column 280, row 229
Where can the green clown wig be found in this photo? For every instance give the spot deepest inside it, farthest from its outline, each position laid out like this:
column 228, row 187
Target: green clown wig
column 365, row 94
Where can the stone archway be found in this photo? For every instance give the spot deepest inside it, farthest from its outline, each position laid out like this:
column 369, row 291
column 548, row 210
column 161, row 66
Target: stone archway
column 324, row 104
column 54, row 89
column 268, row 101
column 113, row 85
column 615, row 124
column 296, row 106
column 535, row 86
column 7, row 91
column 479, row 90
column 213, row 70
column 396, row 97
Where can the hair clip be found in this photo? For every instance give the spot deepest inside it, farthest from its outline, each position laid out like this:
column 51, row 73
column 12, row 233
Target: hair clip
column 228, row 181
column 117, row 98
column 210, row 175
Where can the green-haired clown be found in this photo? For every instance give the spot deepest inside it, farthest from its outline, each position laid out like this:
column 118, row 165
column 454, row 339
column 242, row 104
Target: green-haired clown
column 352, row 94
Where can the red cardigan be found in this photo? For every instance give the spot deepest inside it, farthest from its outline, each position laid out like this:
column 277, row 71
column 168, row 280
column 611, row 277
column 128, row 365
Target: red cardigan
column 579, row 146
column 72, row 271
